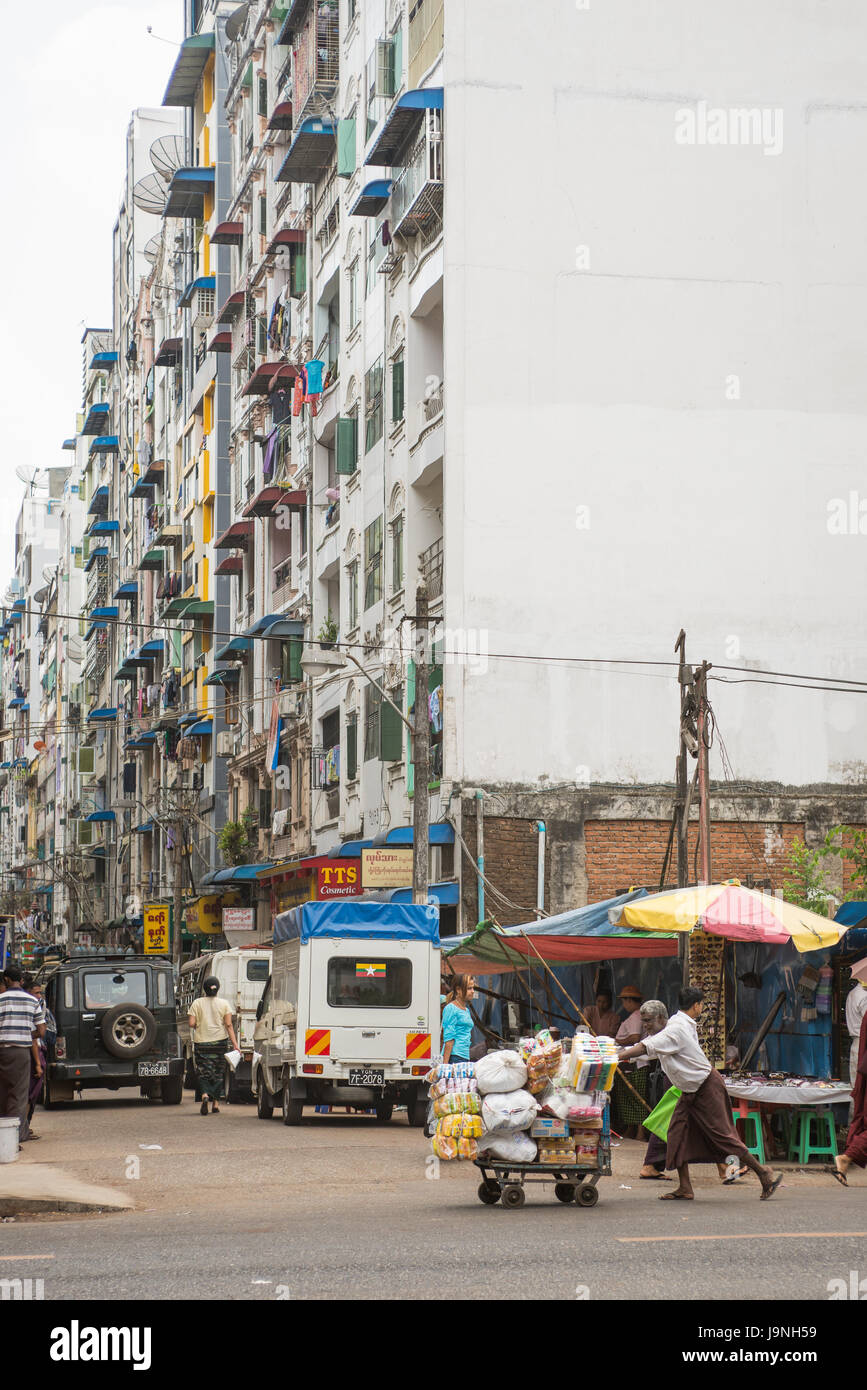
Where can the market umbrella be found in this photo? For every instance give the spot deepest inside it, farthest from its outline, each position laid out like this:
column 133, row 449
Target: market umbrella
column 730, row 910
column 859, row 970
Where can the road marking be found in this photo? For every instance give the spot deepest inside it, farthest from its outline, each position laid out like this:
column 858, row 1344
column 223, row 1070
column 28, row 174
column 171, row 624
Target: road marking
column 750, row 1235
column 27, row 1257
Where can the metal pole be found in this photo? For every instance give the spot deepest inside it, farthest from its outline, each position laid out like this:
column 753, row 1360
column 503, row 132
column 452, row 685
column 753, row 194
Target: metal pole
column 177, row 910
column 480, row 852
column 681, row 821
column 703, row 781
column 421, row 752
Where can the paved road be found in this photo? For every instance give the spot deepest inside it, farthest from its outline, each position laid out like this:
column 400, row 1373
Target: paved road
column 234, row 1207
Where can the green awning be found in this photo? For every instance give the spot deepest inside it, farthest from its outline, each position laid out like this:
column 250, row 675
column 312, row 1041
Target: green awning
column 175, row 607
column 227, row 677
column 153, row 560
column 199, row 608
column 188, row 70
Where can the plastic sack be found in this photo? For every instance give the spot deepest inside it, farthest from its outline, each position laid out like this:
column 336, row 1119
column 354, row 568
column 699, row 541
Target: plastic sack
column 233, row 1057
column 468, row 1148
column 500, row 1072
column 571, row 1105
column 450, row 1071
column 460, row 1126
column 444, row 1147
column 508, row 1110
column 517, row 1147
column 443, row 1087
column 458, row 1103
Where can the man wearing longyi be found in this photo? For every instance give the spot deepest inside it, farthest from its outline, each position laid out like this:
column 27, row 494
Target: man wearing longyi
column 701, row 1129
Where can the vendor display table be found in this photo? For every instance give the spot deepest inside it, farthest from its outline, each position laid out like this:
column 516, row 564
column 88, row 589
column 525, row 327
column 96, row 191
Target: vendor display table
column 788, row 1093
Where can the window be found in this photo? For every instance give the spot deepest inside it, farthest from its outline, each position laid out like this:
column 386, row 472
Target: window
column 397, row 554
column 373, row 405
column 262, row 90
column 373, row 563
column 257, row 970
column 369, row 984
column 290, row 662
column 351, row 747
column 346, row 147
column 354, row 304
column 162, row 988
column 391, row 728
column 397, row 393
column 105, row 990
column 347, row 444
column 375, row 257
column 68, row 992
column 263, row 214
column 372, row 704
column 352, row 585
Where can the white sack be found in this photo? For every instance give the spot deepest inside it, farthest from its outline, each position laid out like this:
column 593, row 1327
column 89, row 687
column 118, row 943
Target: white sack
column 500, row 1071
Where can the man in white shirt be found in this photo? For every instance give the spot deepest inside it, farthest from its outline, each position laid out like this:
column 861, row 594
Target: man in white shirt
column 856, row 1007
column 701, row 1129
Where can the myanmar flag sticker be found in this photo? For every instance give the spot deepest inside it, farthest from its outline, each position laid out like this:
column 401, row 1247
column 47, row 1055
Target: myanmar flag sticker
column 364, row 970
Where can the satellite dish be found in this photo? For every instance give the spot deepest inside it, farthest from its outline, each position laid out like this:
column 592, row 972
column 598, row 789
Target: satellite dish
column 30, row 477
column 236, row 21
column 150, row 193
column 152, row 249
column 167, row 155
column 48, row 574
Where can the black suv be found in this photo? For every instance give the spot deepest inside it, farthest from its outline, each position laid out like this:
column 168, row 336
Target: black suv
column 116, row 1026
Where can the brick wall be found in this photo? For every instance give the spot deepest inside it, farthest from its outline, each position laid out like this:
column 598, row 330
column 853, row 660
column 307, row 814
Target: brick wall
column 626, row 854
column 511, row 857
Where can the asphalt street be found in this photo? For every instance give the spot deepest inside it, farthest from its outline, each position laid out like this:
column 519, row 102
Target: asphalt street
column 233, row 1207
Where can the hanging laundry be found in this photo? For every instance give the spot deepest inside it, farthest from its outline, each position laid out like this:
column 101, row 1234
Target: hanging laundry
column 298, row 396
column 314, row 370
column 270, row 448
column 435, row 709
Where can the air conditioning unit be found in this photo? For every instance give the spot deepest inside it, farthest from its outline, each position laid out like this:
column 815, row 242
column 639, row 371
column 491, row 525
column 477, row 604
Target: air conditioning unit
column 291, row 703
column 226, row 744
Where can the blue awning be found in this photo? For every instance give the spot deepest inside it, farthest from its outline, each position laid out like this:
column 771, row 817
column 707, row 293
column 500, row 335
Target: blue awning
column 350, row 849
column 444, row 894
column 19, row 605
column 110, row 612
column 68, row 444
column 98, row 553
column 103, row 528
column 204, row 282
column 235, row 647
column 17, row 703
column 350, row 919
column 156, row 647
column 275, row 626
column 227, row 676
column 187, row 192
column 238, row 873
column 439, row 833
column 94, row 627
column 96, row 418
column 5, row 766
column 97, row 817
column 372, row 199
column 100, row 361
column 105, row 444
column 99, row 502
column 402, row 123
column 103, row 713
column 203, row 726
column 142, row 489
column 44, row 888
column 257, row 628
column 144, row 829
column 126, row 591
column 310, row 153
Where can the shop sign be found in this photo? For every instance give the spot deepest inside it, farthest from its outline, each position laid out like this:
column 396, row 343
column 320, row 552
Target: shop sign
column 338, row 878
column 239, row 919
column 292, row 893
column 205, row 915
column 157, row 919
column 387, row 867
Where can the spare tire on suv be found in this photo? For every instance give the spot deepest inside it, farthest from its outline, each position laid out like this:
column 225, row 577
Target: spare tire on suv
column 128, row 1030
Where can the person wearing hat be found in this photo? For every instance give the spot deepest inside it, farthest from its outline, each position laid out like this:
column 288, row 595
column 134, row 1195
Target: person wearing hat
column 631, row 1028
column 211, row 1018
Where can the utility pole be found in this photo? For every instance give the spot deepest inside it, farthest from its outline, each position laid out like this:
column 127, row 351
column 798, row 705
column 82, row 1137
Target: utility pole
column 703, row 780
column 681, row 824
column 179, row 835
column 420, row 750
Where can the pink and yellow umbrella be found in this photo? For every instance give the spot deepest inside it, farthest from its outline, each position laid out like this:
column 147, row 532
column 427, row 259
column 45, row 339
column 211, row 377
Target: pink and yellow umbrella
column 728, row 909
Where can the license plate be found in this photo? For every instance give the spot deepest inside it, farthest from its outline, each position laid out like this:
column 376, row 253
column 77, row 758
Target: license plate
column 366, row 1076
column 153, row 1068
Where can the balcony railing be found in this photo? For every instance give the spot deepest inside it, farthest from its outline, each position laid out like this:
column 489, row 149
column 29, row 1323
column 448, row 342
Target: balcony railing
column 430, row 563
column 316, row 70
column 417, row 192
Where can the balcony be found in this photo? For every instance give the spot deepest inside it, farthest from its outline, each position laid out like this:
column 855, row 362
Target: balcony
column 426, row 452
column 417, row 192
column 426, row 28
column 316, row 67
column 430, row 563
column 282, row 590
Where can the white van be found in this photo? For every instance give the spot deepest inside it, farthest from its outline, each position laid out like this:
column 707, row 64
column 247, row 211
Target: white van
column 243, row 972
column 351, row 1014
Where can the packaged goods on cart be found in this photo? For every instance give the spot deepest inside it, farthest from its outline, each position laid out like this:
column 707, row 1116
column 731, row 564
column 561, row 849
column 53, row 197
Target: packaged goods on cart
column 574, row 1105
column 460, row 1126
column 500, row 1071
column 591, row 1063
column 514, row 1147
column 451, row 1071
column 444, row 1147
column 465, row 1085
column 586, row 1141
column 511, row 1110
column 458, row 1103
column 556, row 1151
column 549, row 1127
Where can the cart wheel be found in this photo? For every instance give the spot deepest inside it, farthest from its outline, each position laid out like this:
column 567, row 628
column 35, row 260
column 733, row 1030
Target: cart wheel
column 513, row 1195
column 587, row 1196
column 489, row 1192
column 564, row 1191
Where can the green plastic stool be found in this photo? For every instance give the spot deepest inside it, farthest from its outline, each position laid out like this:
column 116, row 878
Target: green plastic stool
column 757, row 1147
column 801, row 1144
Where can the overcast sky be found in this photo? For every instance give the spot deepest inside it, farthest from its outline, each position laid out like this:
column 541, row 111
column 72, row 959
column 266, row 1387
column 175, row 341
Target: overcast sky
column 75, row 69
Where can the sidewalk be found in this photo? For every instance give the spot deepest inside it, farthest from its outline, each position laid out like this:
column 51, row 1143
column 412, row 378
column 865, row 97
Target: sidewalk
column 28, row 1186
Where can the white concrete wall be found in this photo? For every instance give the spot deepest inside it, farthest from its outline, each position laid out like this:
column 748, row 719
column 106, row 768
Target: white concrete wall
column 604, row 284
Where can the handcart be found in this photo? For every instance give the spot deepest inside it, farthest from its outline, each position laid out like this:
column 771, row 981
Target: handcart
column 573, row 1182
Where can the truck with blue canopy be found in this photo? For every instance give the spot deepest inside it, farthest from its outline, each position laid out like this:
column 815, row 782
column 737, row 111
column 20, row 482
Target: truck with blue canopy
column 351, row 1013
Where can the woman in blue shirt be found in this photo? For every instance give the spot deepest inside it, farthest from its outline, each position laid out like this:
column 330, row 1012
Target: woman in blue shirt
column 457, row 1020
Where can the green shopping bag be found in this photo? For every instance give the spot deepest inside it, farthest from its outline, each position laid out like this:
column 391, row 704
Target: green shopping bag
column 659, row 1119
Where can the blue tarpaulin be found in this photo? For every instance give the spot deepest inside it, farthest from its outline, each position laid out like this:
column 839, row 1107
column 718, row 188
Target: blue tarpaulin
column 372, row 921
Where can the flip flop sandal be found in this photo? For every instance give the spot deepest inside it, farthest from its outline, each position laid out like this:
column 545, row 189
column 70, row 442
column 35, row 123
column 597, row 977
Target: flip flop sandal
column 771, row 1189
column 741, row 1173
column 656, row 1177
column 675, row 1197
column 835, row 1173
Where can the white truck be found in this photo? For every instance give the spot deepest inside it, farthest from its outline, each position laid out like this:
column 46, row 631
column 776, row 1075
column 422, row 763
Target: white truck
column 351, row 1013
column 243, row 972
